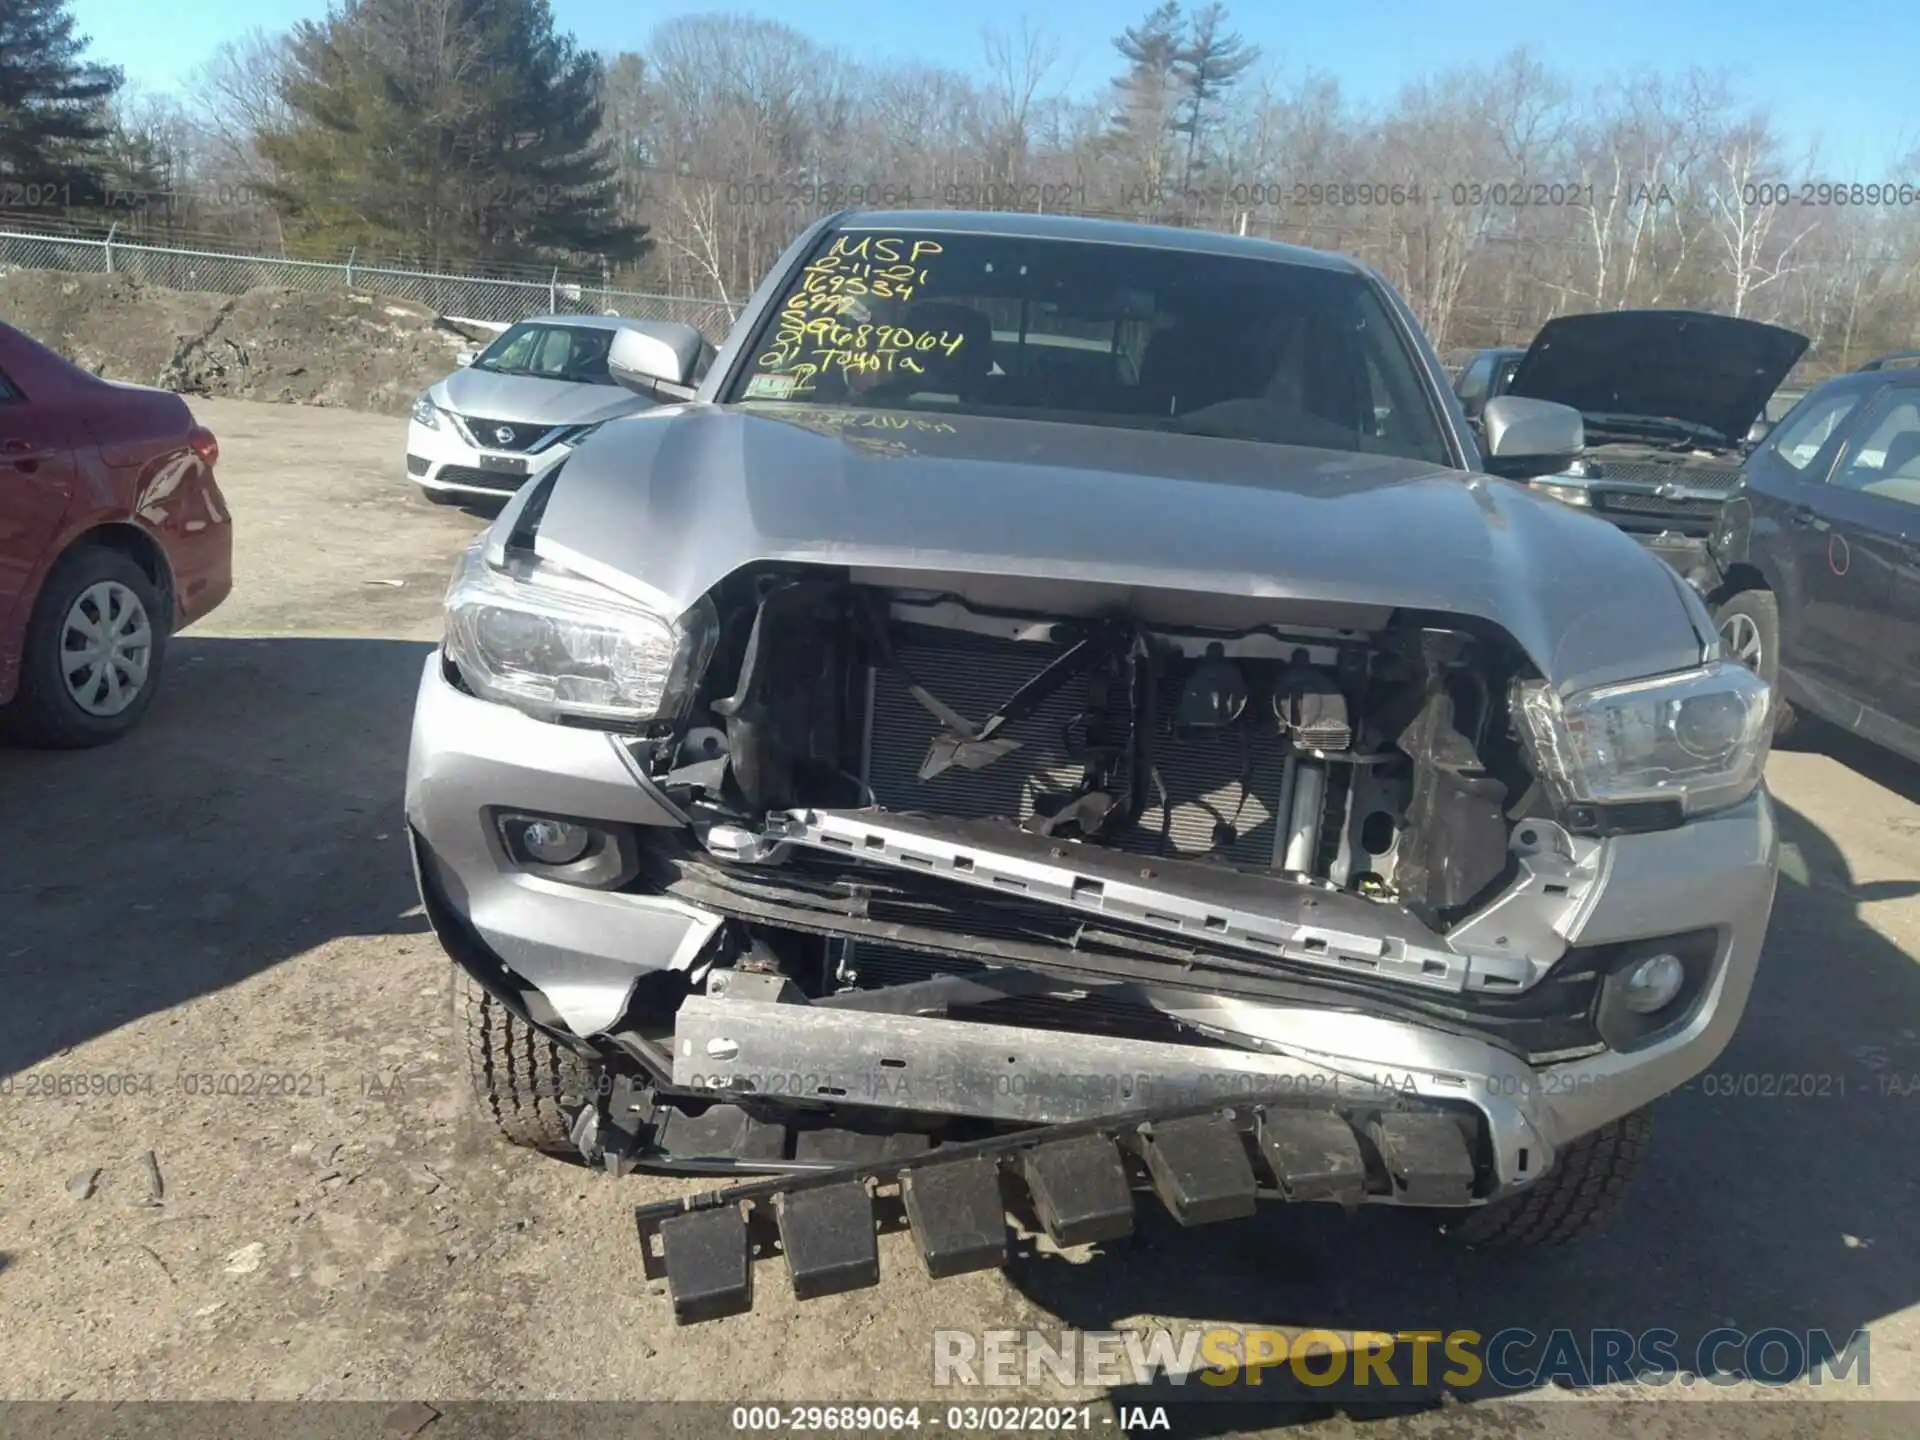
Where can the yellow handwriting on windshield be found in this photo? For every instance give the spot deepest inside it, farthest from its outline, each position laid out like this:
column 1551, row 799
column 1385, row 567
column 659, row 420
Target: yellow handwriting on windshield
column 826, row 324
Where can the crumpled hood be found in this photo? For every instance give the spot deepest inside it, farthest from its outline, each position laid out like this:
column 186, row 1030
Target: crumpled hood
column 1711, row 370
column 666, row 505
column 528, row 400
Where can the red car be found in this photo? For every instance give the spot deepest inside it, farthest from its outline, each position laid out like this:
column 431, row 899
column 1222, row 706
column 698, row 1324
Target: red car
column 113, row 535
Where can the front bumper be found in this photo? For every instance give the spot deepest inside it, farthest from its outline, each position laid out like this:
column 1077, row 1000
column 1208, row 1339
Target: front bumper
column 443, row 460
column 1690, row 557
column 583, row 949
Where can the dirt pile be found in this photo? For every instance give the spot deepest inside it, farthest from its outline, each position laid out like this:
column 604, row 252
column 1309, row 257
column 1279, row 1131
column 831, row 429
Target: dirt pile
column 326, row 347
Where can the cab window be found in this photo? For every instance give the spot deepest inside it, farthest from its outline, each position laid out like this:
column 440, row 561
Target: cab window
column 1885, row 461
column 1804, row 434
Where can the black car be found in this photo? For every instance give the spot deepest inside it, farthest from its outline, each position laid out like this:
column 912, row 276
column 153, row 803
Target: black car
column 1486, row 375
column 1819, row 549
column 1671, row 399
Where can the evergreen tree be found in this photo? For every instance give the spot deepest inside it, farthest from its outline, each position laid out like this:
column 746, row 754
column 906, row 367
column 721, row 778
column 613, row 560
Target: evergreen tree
column 53, row 101
column 461, row 130
column 1148, row 94
column 1209, row 62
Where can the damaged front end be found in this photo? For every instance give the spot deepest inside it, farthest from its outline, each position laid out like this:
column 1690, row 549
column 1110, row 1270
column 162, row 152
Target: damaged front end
column 983, row 879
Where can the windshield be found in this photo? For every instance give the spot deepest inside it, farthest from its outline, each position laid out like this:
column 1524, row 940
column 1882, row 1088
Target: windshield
column 550, row 352
column 1102, row 334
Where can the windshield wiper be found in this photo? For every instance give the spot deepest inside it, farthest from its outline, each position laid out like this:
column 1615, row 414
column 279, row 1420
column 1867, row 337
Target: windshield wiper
column 1657, row 425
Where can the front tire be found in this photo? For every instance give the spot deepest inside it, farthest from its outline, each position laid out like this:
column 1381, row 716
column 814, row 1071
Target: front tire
column 1576, row 1201
column 528, row 1087
column 1749, row 625
column 91, row 661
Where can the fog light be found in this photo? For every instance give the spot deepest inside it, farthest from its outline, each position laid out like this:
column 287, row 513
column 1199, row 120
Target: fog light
column 547, row 842
column 1652, row 984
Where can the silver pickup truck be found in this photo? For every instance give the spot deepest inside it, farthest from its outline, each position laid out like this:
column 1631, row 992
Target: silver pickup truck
column 926, row 756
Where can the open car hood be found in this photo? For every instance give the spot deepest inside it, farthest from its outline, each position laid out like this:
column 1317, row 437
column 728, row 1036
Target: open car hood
column 1686, row 365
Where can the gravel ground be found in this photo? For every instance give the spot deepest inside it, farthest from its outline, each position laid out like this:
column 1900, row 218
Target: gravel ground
column 212, row 929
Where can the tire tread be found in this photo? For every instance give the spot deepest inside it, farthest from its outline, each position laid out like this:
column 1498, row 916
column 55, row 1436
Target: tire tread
column 1578, row 1198
column 528, row 1086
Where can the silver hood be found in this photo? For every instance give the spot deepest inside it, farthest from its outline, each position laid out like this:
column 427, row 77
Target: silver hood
column 665, row 506
column 529, row 400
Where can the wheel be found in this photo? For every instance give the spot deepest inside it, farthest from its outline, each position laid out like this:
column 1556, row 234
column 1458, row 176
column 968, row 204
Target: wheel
column 529, row 1087
column 91, row 661
column 1749, row 625
column 1579, row 1196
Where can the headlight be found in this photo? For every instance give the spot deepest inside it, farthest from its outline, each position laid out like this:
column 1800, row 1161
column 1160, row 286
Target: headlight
column 425, row 414
column 558, row 646
column 1700, row 737
column 1556, row 487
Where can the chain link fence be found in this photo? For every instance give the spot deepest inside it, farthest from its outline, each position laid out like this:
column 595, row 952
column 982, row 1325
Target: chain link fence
column 469, row 297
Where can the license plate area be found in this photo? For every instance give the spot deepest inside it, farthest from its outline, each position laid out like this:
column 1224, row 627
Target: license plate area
column 504, row 464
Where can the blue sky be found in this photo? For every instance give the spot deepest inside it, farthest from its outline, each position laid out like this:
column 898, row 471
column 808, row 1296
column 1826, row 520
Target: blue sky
column 1842, row 74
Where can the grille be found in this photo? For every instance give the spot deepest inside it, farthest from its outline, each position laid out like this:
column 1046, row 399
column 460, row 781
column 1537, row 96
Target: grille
column 525, row 432
column 1633, row 504
column 481, row 479
column 1222, row 790
column 1694, row 473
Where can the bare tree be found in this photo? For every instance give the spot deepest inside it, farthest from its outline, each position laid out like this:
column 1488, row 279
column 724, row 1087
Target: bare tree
column 1017, row 67
column 237, row 98
column 1755, row 250
column 1495, row 197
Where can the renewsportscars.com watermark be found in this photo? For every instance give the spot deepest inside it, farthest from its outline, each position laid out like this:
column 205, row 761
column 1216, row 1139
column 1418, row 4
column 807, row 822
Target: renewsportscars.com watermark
column 1221, row 1358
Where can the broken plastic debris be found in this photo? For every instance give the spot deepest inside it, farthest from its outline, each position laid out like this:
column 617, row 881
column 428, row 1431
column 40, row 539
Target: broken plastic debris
column 156, row 1187
column 410, row 1419
column 1793, row 865
column 246, row 1259
column 80, row 1187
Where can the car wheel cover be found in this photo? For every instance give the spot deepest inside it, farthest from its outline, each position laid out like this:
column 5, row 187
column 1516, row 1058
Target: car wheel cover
column 106, row 648
column 1742, row 639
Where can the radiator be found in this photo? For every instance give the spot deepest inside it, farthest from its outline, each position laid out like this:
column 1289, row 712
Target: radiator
column 1222, row 790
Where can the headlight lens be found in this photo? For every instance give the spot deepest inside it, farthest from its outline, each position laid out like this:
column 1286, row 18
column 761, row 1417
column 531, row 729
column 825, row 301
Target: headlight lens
column 1552, row 485
column 425, row 414
column 559, row 646
column 1700, row 737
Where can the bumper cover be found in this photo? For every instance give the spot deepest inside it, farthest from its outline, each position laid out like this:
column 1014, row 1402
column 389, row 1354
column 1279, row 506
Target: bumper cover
column 1690, row 557
column 444, row 460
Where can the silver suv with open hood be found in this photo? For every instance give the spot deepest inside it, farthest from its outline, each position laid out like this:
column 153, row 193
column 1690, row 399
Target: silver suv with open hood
column 936, row 754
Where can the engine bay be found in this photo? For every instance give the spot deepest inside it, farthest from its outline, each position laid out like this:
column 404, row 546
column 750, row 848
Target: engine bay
column 1383, row 764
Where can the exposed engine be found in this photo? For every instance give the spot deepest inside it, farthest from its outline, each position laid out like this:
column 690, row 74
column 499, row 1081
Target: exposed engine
column 1380, row 764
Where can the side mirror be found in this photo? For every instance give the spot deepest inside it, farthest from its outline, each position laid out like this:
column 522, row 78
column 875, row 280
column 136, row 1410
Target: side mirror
column 1526, row 437
column 1758, row 431
column 657, row 358
column 465, row 358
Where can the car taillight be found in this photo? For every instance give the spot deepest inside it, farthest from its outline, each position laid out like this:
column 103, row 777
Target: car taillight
column 204, row 444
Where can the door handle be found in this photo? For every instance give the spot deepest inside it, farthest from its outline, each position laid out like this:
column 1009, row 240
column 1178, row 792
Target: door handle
column 1801, row 515
column 19, row 450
